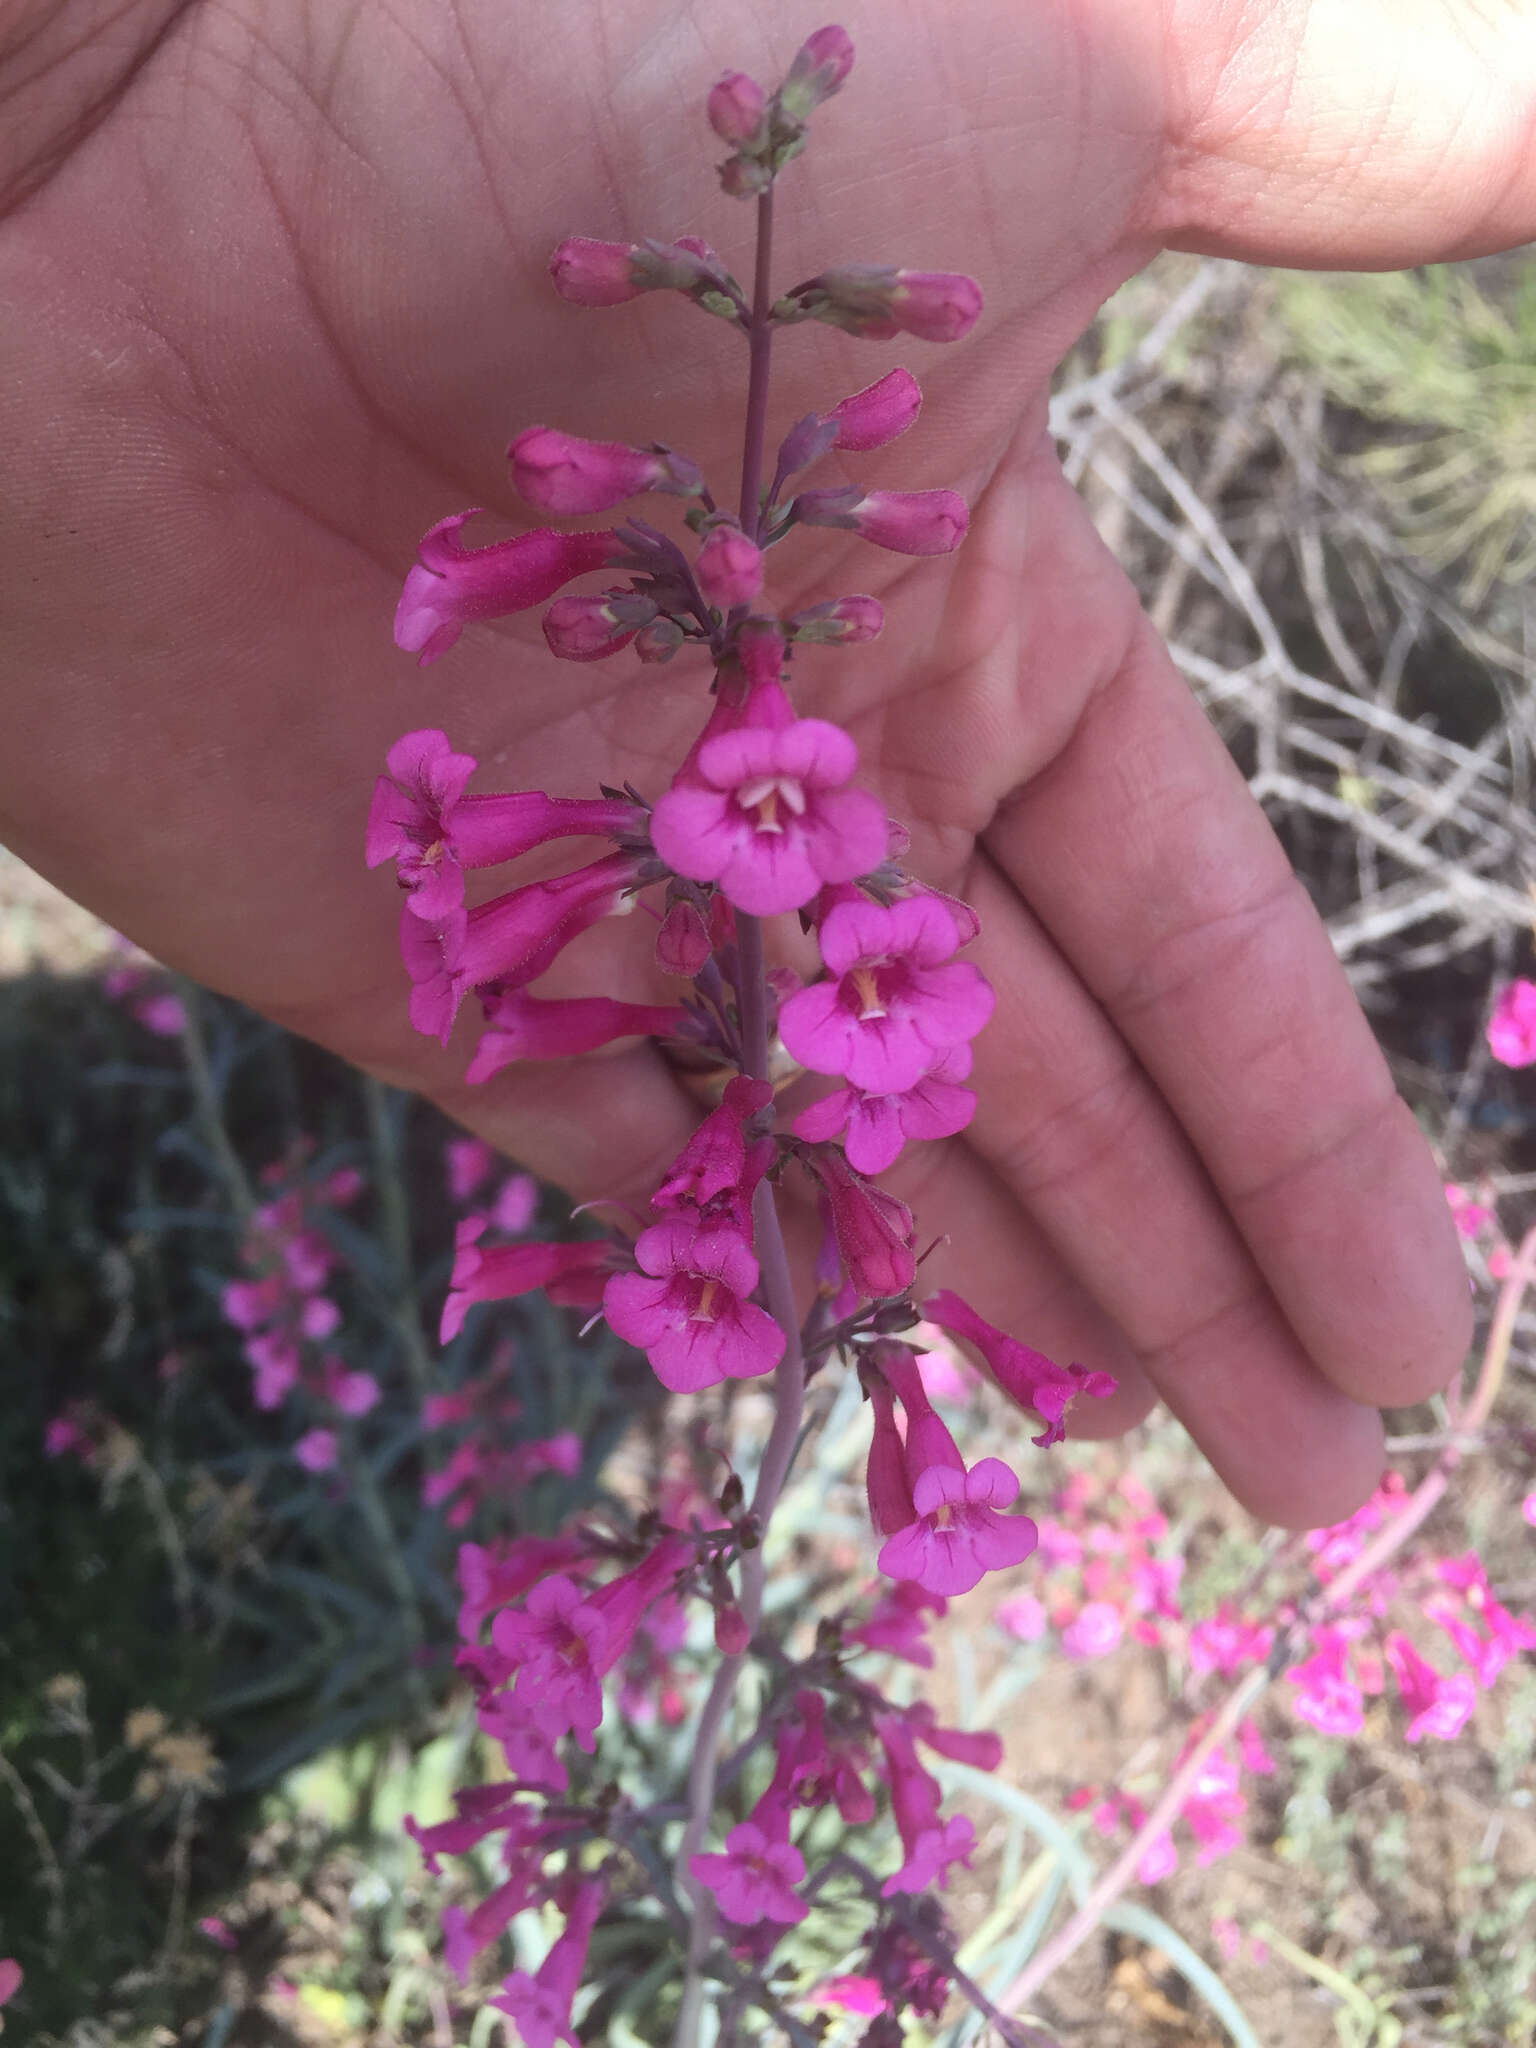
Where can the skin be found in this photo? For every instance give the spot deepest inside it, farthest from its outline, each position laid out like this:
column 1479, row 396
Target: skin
column 276, row 280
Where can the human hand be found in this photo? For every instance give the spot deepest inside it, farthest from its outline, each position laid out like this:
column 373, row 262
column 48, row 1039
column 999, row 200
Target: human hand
column 283, row 272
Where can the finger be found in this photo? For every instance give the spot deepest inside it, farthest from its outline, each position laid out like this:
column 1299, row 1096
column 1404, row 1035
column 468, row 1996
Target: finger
column 1086, row 1147
column 1348, row 134
column 1157, row 876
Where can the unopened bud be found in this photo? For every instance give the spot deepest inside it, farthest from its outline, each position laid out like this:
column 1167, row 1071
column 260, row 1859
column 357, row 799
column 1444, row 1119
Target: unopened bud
column 876, row 301
column 682, row 948
column 893, row 1318
column 731, row 1632
column 590, row 628
column 732, row 1494
column 806, row 442
column 829, row 1637
column 729, row 567
column 659, row 641
column 843, row 623
column 906, row 522
column 563, row 473
column 820, row 66
column 737, row 109
column 590, row 273
column 749, row 1532
column 877, row 414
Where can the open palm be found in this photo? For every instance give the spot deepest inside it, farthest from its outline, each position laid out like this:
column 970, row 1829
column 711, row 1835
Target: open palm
column 276, row 280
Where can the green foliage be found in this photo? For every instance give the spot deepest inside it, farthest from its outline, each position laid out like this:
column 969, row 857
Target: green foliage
column 1434, row 354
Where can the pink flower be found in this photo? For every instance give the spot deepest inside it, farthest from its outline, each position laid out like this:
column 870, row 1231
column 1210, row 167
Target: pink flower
column 516, row 1203
column 350, row 1393
column 878, row 1126
column 571, row 1271
column 216, row 1930
column 872, row 1229
column 10, row 1978
column 897, row 1624
column 876, row 415
column 451, row 585
column 754, row 1880
column 469, row 1162
column 687, row 1310
column 716, row 1170
column 1025, row 1375
column 316, row 1450
column 960, row 1534
column 1094, row 1631
column 1436, row 1705
column 906, row 522
column 1023, row 1616
column 859, row 1995
column 541, row 2004
column 929, row 1845
column 512, row 939
column 1225, row 1642
column 563, row 474
column 766, row 815
column 492, row 1578
column 896, row 1003
column 525, row 1027
column 1528, row 1509
column 1324, row 1695
column 729, row 567
column 1512, row 1027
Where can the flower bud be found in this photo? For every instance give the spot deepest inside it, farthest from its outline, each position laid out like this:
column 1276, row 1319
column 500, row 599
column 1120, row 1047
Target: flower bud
column 806, row 442
column 906, row 522
column 659, row 641
column 683, row 943
column 732, row 1494
column 589, row 628
column 737, row 110
column 842, row 623
column 745, row 177
column 564, row 474
column 590, row 273
column 731, row 1632
column 876, row 301
column 821, row 64
column 729, row 567
column 878, row 413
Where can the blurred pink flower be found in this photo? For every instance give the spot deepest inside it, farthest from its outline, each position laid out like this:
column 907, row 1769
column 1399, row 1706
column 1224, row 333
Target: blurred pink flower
column 1512, row 1027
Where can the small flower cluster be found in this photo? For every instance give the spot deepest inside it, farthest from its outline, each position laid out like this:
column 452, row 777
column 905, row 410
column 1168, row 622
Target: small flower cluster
column 1111, row 1575
column 283, row 1311
column 763, row 818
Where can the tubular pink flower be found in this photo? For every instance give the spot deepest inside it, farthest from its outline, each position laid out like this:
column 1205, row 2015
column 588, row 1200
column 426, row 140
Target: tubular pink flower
column 766, row 815
column 906, row 522
column 1512, row 1027
column 887, row 1487
column 563, row 474
column 754, row 1879
column 541, row 2004
column 935, row 305
column 451, row 585
column 511, row 939
column 1436, row 1705
column 960, row 1534
column 729, row 567
column 898, row 1622
column 736, row 108
column 717, row 1162
column 557, row 1642
column 1025, row 1376
column 421, row 819
column 979, row 1748
column 813, row 1769
column 525, row 1027
column 1324, row 1695
column 498, row 1272
column 873, row 1229
column 875, row 416
column 929, row 1845
column 896, row 1003
column 491, row 1578
column 876, row 302
column 687, row 1310
column 878, row 1126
